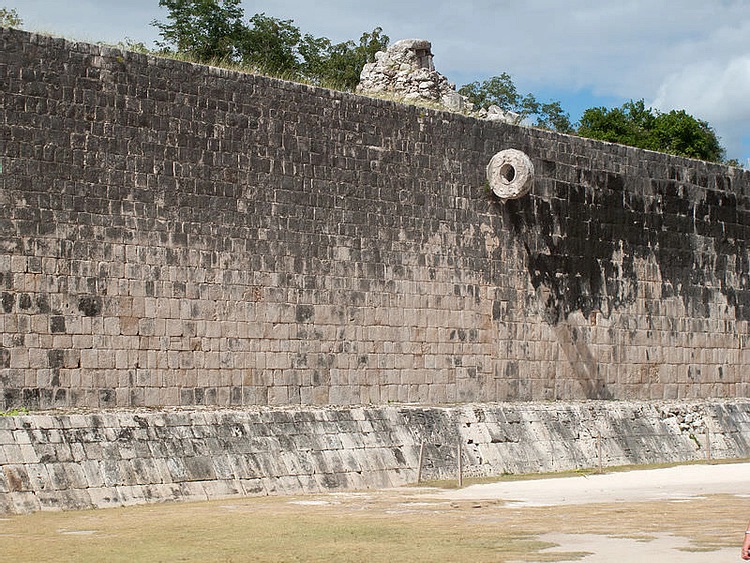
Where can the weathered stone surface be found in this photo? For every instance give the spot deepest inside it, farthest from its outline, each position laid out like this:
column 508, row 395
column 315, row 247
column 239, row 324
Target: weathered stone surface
column 307, row 450
column 174, row 234
column 510, row 174
column 405, row 70
column 495, row 113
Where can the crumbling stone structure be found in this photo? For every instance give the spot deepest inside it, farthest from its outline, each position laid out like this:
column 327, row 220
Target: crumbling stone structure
column 406, row 71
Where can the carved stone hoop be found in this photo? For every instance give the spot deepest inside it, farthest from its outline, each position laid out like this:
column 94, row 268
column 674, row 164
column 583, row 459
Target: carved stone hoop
column 510, row 174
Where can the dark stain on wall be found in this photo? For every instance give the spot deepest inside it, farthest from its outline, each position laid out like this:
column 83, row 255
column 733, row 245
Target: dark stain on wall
column 582, row 242
column 8, row 300
column 90, row 305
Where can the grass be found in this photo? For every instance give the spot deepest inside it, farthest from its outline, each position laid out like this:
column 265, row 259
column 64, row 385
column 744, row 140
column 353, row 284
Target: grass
column 291, row 77
column 252, row 529
column 15, row 411
column 397, row 525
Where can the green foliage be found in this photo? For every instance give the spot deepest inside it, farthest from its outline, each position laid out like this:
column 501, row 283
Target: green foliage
column 206, row 30
column 213, row 30
column 15, row 411
column 10, row 18
column 498, row 90
column 633, row 124
column 677, row 132
column 627, row 125
column 270, row 45
column 636, row 125
column 339, row 65
column 552, row 116
column 502, row 92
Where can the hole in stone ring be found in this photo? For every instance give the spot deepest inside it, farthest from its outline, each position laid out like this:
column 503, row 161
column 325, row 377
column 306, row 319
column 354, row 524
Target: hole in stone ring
column 507, row 172
column 510, row 174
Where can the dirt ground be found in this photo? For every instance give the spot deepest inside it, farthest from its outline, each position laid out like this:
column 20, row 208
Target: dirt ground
column 691, row 514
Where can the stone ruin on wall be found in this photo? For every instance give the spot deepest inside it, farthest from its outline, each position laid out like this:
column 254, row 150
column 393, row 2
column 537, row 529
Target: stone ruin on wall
column 406, row 71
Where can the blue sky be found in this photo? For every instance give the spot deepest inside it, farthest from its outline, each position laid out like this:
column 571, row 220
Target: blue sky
column 692, row 55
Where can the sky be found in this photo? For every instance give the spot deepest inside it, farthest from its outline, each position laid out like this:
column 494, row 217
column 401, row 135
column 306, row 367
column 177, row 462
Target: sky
column 692, row 54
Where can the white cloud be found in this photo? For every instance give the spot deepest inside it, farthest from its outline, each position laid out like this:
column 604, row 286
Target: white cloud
column 717, row 92
column 622, row 48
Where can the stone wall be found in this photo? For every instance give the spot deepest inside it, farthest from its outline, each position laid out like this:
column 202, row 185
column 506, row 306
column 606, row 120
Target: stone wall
column 175, row 234
column 54, row 461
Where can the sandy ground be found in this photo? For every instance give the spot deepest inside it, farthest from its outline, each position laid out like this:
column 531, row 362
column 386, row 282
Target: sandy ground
column 673, row 484
column 685, row 514
column 662, row 549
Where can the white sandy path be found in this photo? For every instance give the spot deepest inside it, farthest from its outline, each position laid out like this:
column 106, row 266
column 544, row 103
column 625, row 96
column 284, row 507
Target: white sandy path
column 686, row 481
column 664, row 548
column 675, row 483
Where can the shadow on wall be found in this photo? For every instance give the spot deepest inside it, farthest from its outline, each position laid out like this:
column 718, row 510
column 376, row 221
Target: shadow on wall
column 583, row 239
column 582, row 242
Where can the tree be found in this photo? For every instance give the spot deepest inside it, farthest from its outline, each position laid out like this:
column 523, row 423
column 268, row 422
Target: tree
column 552, row 116
column 270, row 45
column 210, row 30
column 498, row 90
column 636, row 125
column 206, row 30
column 350, row 67
column 10, row 18
column 369, row 45
column 340, row 65
column 502, row 92
column 627, row 125
column 677, row 132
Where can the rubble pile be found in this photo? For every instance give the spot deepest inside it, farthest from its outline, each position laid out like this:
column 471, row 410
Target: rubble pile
column 406, row 71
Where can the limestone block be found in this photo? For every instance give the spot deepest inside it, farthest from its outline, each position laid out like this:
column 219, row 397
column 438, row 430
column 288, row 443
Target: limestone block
column 129, row 495
column 495, row 113
column 24, row 502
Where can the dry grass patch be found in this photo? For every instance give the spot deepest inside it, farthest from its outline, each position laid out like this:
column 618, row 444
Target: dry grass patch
column 402, row 525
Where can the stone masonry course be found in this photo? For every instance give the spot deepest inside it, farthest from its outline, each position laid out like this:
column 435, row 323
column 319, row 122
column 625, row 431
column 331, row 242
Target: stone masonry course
column 177, row 234
column 66, row 461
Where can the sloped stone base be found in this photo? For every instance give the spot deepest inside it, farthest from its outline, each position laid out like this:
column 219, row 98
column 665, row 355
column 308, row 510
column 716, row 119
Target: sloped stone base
column 68, row 461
